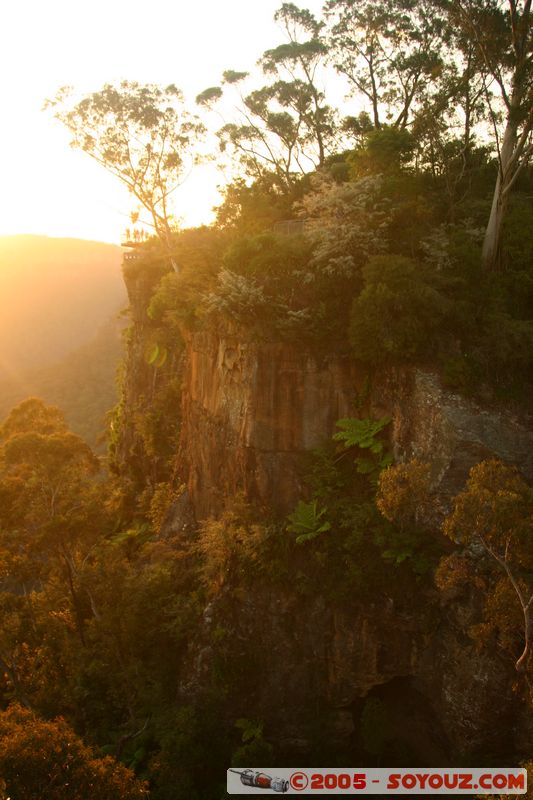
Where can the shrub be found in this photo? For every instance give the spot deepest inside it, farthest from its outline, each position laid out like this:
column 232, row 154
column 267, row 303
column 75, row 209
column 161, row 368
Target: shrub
column 228, row 545
column 403, row 492
column 46, row 759
column 400, row 312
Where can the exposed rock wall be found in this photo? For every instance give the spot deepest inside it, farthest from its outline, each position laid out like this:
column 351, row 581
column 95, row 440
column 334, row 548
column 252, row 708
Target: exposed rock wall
column 250, row 412
column 147, row 410
column 307, row 667
column 448, row 431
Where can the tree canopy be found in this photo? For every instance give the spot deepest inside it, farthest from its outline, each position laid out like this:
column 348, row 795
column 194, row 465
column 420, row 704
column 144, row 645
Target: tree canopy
column 142, row 134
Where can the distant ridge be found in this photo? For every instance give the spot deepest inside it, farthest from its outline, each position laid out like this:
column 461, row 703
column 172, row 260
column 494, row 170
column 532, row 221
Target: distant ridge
column 54, row 296
column 59, row 333
column 83, row 384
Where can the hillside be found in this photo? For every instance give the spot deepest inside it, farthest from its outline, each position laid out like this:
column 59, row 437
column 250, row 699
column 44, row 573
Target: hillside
column 59, row 333
column 83, row 384
column 54, row 295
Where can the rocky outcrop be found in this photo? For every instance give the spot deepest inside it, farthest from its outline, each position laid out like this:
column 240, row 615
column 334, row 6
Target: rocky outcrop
column 144, row 432
column 448, row 431
column 251, row 410
column 249, row 414
column 305, row 666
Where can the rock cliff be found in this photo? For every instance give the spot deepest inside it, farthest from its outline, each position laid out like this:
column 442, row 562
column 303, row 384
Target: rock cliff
column 309, row 668
column 249, row 411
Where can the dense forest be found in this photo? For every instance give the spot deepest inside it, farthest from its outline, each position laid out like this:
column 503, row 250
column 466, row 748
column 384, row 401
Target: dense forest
column 83, row 384
column 55, row 295
column 145, row 646
column 59, row 327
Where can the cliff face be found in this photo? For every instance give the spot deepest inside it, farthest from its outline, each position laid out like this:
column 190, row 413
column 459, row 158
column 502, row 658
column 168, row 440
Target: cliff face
column 250, row 411
column 448, row 431
column 307, row 669
column 144, row 433
column 249, row 414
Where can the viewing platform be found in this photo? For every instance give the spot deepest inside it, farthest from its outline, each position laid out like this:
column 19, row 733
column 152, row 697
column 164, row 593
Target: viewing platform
column 133, row 240
column 290, row 227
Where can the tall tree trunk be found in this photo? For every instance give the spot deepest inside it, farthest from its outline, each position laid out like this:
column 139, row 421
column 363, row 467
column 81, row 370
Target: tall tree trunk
column 490, row 254
column 521, row 664
column 515, row 83
column 493, row 233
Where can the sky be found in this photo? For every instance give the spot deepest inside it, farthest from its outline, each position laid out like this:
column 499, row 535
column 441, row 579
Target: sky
column 50, row 189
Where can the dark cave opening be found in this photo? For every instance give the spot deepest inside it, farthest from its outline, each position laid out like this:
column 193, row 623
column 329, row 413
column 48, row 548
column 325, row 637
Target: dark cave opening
column 396, row 726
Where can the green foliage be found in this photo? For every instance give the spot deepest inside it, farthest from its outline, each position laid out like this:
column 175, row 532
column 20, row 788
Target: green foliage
column 503, row 350
column 403, row 498
column 517, row 249
column 385, row 150
column 249, row 209
column 46, row 759
column 143, row 434
column 413, row 547
column 362, row 553
column 347, row 223
column 263, row 285
column 209, row 95
column 307, row 521
column 254, row 749
column 179, row 298
column 399, row 313
column 486, row 345
column 362, row 433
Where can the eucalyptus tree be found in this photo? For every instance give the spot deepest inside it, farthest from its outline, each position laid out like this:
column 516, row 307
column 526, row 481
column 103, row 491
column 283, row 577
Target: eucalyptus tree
column 141, row 134
column 285, row 127
column 263, row 140
column 390, row 52
column 297, row 64
column 495, row 511
column 502, row 33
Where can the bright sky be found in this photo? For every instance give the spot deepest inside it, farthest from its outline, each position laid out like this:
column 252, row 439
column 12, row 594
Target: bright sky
column 47, row 188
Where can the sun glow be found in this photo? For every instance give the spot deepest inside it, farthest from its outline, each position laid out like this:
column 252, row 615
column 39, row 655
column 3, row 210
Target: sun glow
column 49, row 189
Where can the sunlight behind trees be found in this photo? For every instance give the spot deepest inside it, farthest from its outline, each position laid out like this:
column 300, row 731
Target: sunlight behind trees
column 49, row 189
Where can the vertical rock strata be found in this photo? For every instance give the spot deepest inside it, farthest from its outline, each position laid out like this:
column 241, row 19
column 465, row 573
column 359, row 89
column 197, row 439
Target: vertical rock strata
column 250, row 412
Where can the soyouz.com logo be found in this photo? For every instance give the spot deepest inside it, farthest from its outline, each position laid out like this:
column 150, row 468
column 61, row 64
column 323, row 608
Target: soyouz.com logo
column 412, row 781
